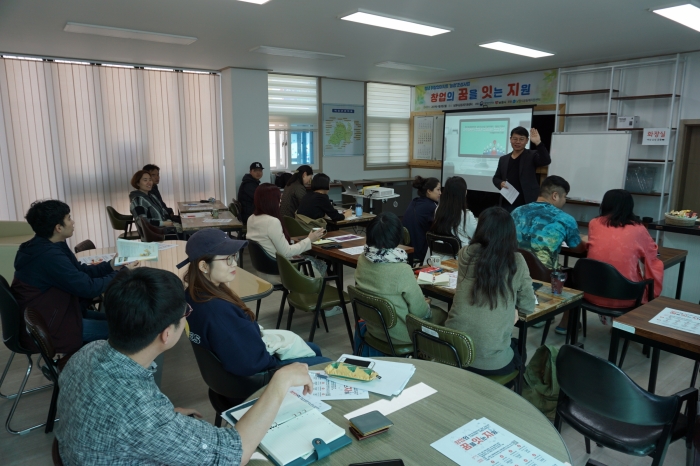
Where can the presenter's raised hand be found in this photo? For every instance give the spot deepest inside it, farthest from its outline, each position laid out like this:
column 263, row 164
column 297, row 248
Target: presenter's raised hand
column 535, row 137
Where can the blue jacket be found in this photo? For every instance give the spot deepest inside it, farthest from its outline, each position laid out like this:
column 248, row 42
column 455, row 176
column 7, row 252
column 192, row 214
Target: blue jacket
column 225, row 330
column 418, row 218
column 49, row 278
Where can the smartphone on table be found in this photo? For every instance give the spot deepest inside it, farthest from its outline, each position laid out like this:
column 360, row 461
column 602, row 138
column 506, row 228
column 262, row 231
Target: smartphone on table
column 358, row 362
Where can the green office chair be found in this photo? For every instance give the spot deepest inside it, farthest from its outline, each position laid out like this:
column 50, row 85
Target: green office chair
column 310, row 294
column 380, row 316
column 295, row 227
column 448, row 346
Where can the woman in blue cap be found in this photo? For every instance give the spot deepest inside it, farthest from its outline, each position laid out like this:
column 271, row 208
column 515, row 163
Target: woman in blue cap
column 222, row 323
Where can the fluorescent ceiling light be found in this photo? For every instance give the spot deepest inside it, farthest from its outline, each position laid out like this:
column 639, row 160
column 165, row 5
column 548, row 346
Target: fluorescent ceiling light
column 128, row 33
column 390, row 22
column 258, row 2
column 688, row 15
column 516, row 49
column 406, row 66
column 296, row 53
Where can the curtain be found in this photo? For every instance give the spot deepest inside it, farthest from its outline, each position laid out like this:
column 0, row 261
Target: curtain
column 388, row 116
column 78, row 133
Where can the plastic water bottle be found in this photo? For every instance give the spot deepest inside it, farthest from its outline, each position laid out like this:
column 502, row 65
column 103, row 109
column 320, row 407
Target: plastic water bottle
column 358, row 210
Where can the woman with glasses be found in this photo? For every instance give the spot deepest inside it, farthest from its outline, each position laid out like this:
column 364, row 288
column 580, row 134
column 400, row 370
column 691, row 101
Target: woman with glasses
column 518, row 167
column 220, row 321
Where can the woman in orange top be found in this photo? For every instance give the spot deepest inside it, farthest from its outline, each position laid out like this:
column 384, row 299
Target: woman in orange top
column 618, row 238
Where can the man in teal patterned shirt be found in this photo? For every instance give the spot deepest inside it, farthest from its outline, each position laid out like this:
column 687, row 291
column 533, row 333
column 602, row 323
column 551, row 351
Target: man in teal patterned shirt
column 542, row 227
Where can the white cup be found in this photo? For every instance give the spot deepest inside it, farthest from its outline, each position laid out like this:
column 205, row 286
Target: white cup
column 435, row 261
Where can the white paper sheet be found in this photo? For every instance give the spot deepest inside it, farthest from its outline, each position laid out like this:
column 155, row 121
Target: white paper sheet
column 216, row 220
column 310, row 399
column 509, row 192
column 344, row 238
column 482, row 441
column 386, row 407
column 679, row 320
column 330, row 389
column 98, row 259
column 194, row 215
column 353, row 251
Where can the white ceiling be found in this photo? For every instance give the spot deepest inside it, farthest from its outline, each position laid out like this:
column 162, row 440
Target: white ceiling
column 578, row 32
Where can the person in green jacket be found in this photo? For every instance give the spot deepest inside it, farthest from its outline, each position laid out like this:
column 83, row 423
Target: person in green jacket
column 493, row 284
column 383, row 270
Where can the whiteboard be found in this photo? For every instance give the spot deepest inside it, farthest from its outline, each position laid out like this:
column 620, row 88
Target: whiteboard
column 592, row 163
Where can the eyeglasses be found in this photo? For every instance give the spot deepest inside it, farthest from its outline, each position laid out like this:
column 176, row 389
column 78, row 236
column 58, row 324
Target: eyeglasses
column 230, row 260
column 518, row 139
column 188, row 311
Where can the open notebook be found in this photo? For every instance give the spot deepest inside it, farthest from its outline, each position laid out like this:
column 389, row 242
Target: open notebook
column 295, row 427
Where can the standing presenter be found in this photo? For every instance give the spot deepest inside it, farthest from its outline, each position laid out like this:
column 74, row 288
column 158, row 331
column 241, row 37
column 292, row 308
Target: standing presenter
column 518, row 167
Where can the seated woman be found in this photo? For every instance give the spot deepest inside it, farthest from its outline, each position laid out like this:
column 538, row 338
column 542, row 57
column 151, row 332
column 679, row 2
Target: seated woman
column 617, row 237
column 295, row 190
column 420, row 213
column 316, row 204
column 452, row 217
column 220, row 321
column 493, row 284
column 265, row 227
column 146, row 205
column 383, row 271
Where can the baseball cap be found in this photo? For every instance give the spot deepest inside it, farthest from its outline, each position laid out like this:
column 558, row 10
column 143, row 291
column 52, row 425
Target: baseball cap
column 256, row 165
column 210, row 241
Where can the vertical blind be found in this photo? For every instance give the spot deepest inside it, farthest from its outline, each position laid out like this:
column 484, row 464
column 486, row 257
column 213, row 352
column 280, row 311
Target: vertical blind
column 78, row 133
column 388, row 116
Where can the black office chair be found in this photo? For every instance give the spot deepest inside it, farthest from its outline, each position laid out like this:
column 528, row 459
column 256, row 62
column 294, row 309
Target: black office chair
column 84, row 246
column 445, row 245
column 603, row 404
column 603, row 280
column 226, row 390
column 266, row 264
column 12, row 325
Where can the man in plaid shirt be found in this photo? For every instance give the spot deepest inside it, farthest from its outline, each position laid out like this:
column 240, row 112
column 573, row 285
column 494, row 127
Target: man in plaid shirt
column 112, row 412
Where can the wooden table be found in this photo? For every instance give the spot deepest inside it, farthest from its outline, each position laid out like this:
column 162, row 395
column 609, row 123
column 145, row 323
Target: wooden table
column 663, row 226
column 16, row 239
column 246, row 285
column 635, row 326
column 668, row 256
column 195, row 206
column 461, row 397
column 199, row 223
column 365, row 219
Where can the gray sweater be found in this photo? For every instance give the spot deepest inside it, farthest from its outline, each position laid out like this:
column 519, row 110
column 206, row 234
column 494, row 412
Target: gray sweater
column 490, row 329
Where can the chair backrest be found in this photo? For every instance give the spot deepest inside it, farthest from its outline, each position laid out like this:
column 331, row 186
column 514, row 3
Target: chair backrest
column 224, row 383
column 600, row 386
column 601, row 279
column 84, row 246
column 295, row 281
column 11, row 317
column 441, row 344
column 15, row 228
column 118, row 221
column 373, row 309
column 441, row 244
column 406, row 237
column 37, row 328
column 236, row 208
column 149, row 233
column 295, row 227
column 538, row 271
column 262, row 262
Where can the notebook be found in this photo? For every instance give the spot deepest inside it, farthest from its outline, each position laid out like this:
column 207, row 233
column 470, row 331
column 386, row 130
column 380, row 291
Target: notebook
column 429, row 279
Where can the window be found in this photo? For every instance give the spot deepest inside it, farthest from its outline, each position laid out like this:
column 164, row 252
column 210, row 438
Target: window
column 388, row 116
column 293, row 107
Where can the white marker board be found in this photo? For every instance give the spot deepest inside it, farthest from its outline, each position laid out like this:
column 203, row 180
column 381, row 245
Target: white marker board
column 592, row 163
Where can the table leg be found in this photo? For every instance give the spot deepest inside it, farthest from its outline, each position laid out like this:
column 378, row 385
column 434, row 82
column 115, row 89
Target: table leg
column 573, row 325
column 654, row 369
column 679, row 284
column 614, row 343
column 522, row 348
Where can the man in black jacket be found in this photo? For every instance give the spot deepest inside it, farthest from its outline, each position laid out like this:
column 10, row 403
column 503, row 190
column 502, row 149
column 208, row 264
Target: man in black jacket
column 518, row 167
column 246, row 192
column 154, row 171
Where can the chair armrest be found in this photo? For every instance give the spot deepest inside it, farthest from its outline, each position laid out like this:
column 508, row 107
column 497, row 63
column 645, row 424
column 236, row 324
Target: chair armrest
column 688, row 394
column 650, row 289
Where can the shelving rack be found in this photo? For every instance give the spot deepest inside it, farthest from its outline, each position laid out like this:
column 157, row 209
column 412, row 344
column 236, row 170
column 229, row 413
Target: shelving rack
column 589, row 113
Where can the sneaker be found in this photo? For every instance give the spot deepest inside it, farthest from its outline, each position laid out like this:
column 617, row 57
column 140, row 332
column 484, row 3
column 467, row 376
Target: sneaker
column 334, row 311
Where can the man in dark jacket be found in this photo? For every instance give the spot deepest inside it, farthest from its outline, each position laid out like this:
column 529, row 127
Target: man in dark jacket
column 246, row 192
column 154, row 171
column 518, row 167
column 49, row 279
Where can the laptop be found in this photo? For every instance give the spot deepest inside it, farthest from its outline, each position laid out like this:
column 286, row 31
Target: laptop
column 350, row 188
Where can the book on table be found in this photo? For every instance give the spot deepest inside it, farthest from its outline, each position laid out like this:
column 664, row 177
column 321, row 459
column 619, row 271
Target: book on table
column 429, row 279
column 131, row 251
column 289, row 441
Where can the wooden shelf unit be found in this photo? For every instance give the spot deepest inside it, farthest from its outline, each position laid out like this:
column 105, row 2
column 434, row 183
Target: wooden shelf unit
column 588, row 91
column 632, row 129
column 598, row 114
column 642, row 97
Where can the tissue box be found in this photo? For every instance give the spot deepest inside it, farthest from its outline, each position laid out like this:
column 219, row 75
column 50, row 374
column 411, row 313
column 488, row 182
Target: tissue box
column 628, row 122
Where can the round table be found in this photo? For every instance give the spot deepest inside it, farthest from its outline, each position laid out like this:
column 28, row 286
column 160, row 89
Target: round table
column 246, row 285
column 461, row 397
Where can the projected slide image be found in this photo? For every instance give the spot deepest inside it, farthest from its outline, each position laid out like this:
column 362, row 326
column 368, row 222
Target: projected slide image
column 483, row 137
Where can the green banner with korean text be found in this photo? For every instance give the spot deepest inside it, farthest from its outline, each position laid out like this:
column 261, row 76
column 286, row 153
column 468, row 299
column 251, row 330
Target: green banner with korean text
column 532, row 88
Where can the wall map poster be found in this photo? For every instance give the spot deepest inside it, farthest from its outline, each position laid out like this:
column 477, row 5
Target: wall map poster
column 343, row 130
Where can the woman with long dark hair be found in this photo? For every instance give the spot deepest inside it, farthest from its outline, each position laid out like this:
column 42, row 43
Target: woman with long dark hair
column 452, row 217
column 295, row 190
column 220, row 321
column 420, row 213
column 493, row 284
column 617, row 237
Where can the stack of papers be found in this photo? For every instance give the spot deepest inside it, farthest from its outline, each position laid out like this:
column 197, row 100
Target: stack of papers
column 94, row 260
column 327, row 388
column 216, row 220
column 394, row 376
column 354, row 251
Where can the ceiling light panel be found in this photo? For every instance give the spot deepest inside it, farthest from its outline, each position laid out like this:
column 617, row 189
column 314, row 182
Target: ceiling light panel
column 516, row 49
column 399, row 24
column 296, row 53
column 407, row 66
column 257, row 2
column 687, row 15
column 127, row 33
